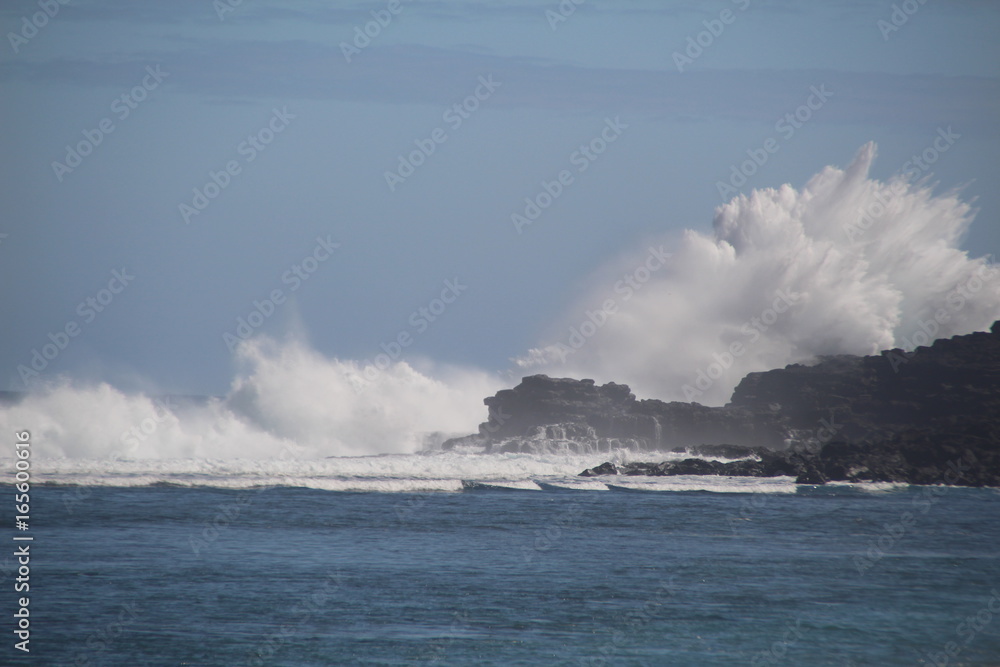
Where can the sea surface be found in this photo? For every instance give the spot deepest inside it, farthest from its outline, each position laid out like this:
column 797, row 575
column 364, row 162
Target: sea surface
column 456, row 559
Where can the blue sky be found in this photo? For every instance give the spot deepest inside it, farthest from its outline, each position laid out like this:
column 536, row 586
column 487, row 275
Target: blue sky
column 343, row 125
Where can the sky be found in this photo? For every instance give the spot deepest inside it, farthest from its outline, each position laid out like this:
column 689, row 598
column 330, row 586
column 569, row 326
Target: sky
column 179, row 175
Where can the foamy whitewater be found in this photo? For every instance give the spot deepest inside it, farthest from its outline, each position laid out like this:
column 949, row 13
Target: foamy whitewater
column 861, row 264
column 389, row 473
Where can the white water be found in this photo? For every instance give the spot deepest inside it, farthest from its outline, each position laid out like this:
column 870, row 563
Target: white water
column 408, row 473
column 862, row 275
column 288, row 402
column 856, row 289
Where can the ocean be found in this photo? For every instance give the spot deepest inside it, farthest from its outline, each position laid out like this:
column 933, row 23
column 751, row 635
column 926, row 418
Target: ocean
column 472, row 559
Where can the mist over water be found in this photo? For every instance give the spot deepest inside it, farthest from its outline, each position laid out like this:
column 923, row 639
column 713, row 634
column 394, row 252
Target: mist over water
column 847, row 264
column 288, row 402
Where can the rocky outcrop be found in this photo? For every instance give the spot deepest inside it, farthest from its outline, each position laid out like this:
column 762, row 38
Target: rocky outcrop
column 561, row 414
column 769, row 464
column 954, row 381
column 924, row 417
column 930, row 416
column 962, row 457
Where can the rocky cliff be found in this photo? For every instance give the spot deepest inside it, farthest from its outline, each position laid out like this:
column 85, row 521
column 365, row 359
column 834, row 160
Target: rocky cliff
column 953, row 382
column 546, row 414
column 897, row 416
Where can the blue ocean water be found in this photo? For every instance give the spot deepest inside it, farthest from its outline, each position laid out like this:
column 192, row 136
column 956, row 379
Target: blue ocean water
column 162, row 575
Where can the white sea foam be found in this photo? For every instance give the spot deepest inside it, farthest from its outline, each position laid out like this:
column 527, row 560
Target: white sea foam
column 288, row 401
column 856, row 290
column 405, row 473
column 864, row 263
column 873, row 487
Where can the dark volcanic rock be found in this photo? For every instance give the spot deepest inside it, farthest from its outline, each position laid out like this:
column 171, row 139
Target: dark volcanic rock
column 769, row 464
column 722, row 451
column 603, row 469
column 963, row 455
column 578, row 415
column 474, row 440
column 929, row 416
column 952, row 381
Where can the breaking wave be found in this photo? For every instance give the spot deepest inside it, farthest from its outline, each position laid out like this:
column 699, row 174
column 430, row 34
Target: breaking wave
column 846, row 265
column 289, row 402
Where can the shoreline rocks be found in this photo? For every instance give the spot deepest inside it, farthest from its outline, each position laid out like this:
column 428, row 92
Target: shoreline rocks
column 930, row 416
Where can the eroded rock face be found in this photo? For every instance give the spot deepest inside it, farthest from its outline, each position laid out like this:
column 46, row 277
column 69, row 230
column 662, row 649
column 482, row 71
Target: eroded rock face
column 562, row 414
column 871, row 399
column 925, row 417
column 917, row 456
column 931, row 416
column 763, row 463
